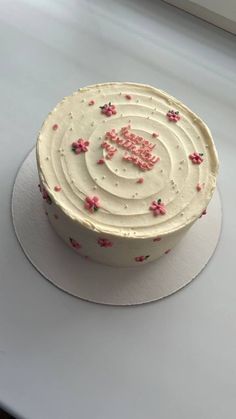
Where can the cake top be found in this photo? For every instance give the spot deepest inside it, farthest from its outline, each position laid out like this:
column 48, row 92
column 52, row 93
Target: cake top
column 127, row 159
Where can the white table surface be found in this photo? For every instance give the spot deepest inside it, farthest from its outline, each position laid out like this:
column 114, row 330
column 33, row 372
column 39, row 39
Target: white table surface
column 64, row 358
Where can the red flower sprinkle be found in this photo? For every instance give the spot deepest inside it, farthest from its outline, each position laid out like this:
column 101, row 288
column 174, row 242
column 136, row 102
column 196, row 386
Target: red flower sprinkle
column 75, row 244
column 128, row 97
column 92, row 203
column 141, row 258
column 198, row 187
column 167, row 251
column 140, row 180
column 157, row 239
column 155, row 135
column 80, row 146
column 101, row 161
column 158, row 207
column 57, row 188
column 45, row 195
column 91, row 102
column 204, row 212
column 108, row 109
column 173, row 115
column 54, row 127
column 105, row 243
column 196, row 158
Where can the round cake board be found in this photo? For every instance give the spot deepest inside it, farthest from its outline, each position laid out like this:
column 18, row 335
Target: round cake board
column 98, row 283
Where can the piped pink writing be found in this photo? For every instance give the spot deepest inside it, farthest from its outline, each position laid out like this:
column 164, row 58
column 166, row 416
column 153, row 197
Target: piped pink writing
column 138, row 149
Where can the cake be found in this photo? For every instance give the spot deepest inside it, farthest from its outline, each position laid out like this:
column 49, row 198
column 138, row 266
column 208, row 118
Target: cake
column 125, row 170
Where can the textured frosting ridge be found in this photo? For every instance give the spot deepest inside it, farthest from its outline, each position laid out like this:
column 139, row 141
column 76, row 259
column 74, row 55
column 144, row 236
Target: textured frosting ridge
column 125, row 189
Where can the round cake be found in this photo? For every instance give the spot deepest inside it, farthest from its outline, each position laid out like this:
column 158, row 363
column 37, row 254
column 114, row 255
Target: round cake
column 125, row 170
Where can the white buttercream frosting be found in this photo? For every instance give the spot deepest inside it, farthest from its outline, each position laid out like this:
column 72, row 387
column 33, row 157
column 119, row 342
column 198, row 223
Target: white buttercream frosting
column 125, row 203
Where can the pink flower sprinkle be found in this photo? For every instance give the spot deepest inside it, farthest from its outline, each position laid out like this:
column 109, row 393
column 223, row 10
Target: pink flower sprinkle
column 173, row 115
column 158, row 207
column 155, row 135
column 75, row 244
column 92, row 203
column 57, row 188
column 108, row 109
column 167, row 251
column 141, row 258
column 157, row 239
column 128, row 97
column 105, row 243
column 54, row 127
column 204, row 212
column 80, row 146
column 45, row 195
column 140, row 180
column 196, row 158
column 91, row 102
column 198, row 187
column 101, row 161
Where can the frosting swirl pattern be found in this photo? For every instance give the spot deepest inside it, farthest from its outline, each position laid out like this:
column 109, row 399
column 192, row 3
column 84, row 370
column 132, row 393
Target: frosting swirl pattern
column 147, row 114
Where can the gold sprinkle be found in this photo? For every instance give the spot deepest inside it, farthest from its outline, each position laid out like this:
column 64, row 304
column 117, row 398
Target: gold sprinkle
column 181, row 162
column 70, row 129
column 126, row 206
column 161, row 170
column 83, row 100
column 124, row 170
column 92, row 124
column 137, row 100
column 180, row 168
column 206, row 145
column 177, row 146
column 172, row 182
column 182, row 213
column 117, row 183
column 116, row 170
column 62, row 154
column 121, row 114
column 194, row 119
column 103, row 177
column 95, row 187
column 47, row 158
column 177, row 191
column 95, row 179
column 120, row 93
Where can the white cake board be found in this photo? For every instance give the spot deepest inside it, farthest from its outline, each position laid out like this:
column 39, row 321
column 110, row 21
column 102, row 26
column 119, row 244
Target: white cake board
column 98, row 283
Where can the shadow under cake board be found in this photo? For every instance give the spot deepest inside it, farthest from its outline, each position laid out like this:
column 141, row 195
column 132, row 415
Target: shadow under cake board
column 99, row 283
